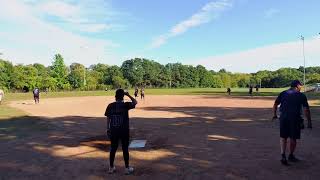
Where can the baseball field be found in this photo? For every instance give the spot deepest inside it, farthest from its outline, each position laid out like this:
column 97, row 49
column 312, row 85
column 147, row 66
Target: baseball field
column 190, row 133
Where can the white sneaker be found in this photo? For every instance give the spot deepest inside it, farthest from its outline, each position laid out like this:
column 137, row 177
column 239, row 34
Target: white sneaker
column 129, row 170
column 112, row 170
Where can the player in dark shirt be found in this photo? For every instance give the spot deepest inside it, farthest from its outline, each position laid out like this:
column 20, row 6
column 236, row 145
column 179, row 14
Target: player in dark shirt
column 136, row 91
column 291, row 122
column 118, row 127
column 229, row 91
column 250, row 90
column 142, row 93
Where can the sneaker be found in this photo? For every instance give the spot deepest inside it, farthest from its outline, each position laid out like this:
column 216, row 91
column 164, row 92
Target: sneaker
column 284, row 161
column 292, row 158
column 129, row 170
column 112, row 170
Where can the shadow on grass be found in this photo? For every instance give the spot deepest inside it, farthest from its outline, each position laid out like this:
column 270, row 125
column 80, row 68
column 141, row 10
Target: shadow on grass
column 206, row 143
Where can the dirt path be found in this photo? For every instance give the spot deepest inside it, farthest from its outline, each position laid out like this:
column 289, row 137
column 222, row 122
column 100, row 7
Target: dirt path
column 188, row 137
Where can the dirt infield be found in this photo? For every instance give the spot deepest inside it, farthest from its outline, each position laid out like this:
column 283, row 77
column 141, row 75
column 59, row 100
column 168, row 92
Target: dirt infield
column 188, row 137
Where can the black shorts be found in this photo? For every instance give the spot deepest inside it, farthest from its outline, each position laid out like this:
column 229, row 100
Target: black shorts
column 122, row 135
column 290, row 128
column 36, row 97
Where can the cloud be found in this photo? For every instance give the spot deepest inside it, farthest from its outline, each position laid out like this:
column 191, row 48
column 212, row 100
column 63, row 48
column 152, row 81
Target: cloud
column 60, row 9
column 207, row 13
column 271, row 57
column 271, row 13
column 30, row 39
column 87, row 16
column 93, row 28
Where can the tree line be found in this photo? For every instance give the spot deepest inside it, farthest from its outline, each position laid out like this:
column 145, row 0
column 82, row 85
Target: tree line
column 139, row 72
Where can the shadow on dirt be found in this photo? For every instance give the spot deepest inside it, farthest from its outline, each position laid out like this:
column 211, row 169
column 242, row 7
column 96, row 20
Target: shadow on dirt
column 219, row 143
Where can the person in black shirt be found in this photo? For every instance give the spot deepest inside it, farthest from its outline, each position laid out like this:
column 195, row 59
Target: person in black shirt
column 229, row 91
column 250, row 90
column 291, row 122
column 136, row 91
column 142, row 93
column 118, row 127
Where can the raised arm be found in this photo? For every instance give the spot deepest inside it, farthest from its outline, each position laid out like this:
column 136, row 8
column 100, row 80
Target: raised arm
column 134, row 101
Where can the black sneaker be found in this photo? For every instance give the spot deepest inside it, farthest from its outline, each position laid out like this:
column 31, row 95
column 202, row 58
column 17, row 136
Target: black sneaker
column 292, row 158
column 284, row 161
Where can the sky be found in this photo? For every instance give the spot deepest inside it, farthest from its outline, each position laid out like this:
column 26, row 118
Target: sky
column 238, row 35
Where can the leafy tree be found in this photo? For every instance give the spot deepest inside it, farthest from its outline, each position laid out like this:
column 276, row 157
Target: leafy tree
column 313, row 78
column 76, row 76
column 217, row 81
column 102, row 72
column 59, row 71
column 133, row 71
column 6, row 75
column 24, row 76
column 140, row 72
column 226, row 80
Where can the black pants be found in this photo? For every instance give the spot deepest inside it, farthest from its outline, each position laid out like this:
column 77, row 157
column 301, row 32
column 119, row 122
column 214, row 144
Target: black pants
column 115, row 137
column 36, row 99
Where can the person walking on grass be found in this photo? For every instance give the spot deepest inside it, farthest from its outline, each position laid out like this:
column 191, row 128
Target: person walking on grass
column 291, row 102
column 36, row 95
column 229, row 91
column 250, row 90
column 1, row 95
column 118, row 128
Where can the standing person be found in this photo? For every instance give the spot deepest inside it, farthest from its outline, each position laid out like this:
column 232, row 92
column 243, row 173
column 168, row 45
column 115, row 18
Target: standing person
column 1, row 95
column 118, row 128
column 136, row 91
column 229, row 91
column 257, row 88
column 142, row 93
column 36, row 95
column 291, row 102
column 250, row 90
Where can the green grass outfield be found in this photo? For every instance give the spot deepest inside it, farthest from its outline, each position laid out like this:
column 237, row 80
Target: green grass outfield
column 6, row 112
column 182, row 91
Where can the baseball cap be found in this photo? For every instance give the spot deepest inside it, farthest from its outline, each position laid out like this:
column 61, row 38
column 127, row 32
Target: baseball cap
column 295, row 83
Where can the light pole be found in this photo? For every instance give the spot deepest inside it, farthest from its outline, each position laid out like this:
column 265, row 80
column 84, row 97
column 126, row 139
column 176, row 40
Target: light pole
column 304, row 65
column 170, row 72
column 84, row 77
column 260, row 83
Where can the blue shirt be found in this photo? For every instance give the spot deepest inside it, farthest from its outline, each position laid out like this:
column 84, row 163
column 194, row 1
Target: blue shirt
column 291, row 102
